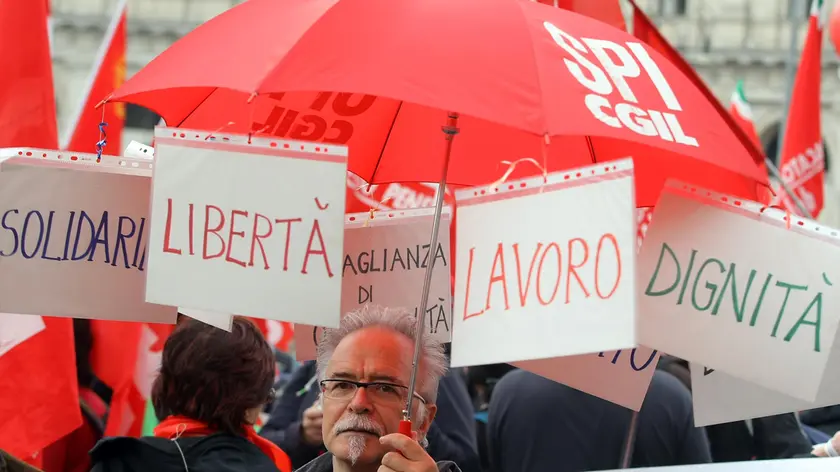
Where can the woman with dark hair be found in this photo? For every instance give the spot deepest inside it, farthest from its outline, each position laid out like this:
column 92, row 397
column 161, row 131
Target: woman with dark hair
column 209, row 393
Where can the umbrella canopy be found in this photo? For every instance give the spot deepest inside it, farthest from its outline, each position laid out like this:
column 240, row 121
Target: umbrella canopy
column 527, row 80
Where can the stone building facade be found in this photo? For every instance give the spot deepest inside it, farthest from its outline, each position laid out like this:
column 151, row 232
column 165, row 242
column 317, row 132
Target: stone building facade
column 726, row 41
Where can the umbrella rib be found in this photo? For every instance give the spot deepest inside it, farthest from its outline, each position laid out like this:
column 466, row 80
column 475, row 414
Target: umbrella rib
column 591, row 149
column 196, row 107
column 385, row 144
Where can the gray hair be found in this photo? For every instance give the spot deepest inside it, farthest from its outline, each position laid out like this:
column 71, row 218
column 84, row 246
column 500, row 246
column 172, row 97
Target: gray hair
column 432, row 357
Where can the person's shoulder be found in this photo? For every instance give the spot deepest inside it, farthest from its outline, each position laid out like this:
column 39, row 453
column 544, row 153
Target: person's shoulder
column 666, row 383
column 224, row 451
column 322, row 463
column 201, row 451
column 113, row 446
column 115, row 453
column 515, row 377
column 668, row 392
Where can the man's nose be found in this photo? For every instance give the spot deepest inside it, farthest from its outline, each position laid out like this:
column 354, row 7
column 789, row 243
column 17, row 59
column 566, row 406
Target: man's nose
column 360, row 400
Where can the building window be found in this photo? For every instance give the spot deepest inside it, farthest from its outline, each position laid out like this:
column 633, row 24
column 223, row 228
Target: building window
column 672, row 7
column 139, row 117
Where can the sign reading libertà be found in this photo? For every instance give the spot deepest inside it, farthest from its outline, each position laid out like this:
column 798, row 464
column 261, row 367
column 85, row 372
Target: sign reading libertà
column 385, row 261
column 247, row 226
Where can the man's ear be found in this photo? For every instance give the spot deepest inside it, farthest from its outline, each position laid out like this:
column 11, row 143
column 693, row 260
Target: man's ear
column 431, row 411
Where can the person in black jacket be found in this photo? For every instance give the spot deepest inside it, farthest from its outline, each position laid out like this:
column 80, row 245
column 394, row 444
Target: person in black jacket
column 295, row 407
column 209, row 393
column 771, row 437
column 295, row 422
column 538, row 425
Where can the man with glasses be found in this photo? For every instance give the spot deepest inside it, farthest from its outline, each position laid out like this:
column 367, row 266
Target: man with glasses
column 364, row 368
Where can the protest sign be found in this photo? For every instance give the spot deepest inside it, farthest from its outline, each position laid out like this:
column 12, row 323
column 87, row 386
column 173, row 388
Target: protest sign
column 722, row 398
column 385, row 260
column 533, row 283
column 247, row 226
column 731, row 285
column 621, row 377
column 219, row 320
column 73, row 237
column 15, row 329
column 823, row 464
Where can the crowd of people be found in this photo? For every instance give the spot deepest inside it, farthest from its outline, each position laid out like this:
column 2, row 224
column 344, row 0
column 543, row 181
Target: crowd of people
column 341, row 412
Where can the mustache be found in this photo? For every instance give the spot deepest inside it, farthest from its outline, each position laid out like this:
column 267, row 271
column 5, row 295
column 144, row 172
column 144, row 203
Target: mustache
column 358, row 423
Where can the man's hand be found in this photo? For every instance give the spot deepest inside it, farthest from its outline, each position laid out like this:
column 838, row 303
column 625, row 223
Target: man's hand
column 819, row 450
column 409, row 456
column 311, row 426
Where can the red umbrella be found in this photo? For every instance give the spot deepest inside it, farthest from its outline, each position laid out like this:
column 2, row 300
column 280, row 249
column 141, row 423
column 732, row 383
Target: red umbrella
column 513, row 77
column 515, row 71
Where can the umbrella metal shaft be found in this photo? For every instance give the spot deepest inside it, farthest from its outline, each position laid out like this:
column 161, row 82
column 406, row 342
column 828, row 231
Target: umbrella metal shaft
column 450, row 130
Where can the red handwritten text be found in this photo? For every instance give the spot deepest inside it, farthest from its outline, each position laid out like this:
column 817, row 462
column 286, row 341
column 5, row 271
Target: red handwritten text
column 541, row 273
column 226, row 234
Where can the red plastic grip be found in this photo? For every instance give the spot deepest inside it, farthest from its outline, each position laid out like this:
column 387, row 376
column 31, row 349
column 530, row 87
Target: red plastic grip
column 405, row 428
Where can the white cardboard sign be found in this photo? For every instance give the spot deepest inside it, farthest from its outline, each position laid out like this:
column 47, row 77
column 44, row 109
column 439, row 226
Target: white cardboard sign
column 722, row 398
column 385, row 260
column 73, row 236
column 728, row 285
column 222, row 321
column 621, row 377
column 822, row 464
column 253, row 227
column 545, row 266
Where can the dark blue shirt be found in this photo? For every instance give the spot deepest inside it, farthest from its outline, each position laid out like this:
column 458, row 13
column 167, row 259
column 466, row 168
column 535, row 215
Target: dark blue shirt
column 538, row 425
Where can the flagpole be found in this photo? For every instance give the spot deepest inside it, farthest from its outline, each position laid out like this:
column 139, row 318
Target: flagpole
column 790, row 69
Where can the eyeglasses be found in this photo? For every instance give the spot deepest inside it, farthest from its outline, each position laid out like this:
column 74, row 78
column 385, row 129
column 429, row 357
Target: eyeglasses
column 380, row 392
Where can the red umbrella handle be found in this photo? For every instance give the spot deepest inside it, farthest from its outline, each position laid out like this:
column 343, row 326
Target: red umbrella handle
column 405, row 427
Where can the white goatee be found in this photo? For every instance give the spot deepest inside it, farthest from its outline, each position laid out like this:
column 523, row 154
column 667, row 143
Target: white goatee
column 356, row 447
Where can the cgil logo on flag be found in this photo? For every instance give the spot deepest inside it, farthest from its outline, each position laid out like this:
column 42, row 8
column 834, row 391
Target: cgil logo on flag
column 611, row 75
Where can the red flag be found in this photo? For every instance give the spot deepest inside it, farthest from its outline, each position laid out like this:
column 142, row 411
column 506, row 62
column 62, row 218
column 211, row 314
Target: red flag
column 107, row 74
column 802, row 163
column 126, row 356
column 278, row 333
column 644, row 29
column 39, row 392
column 741, row 112
column 27, row 114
